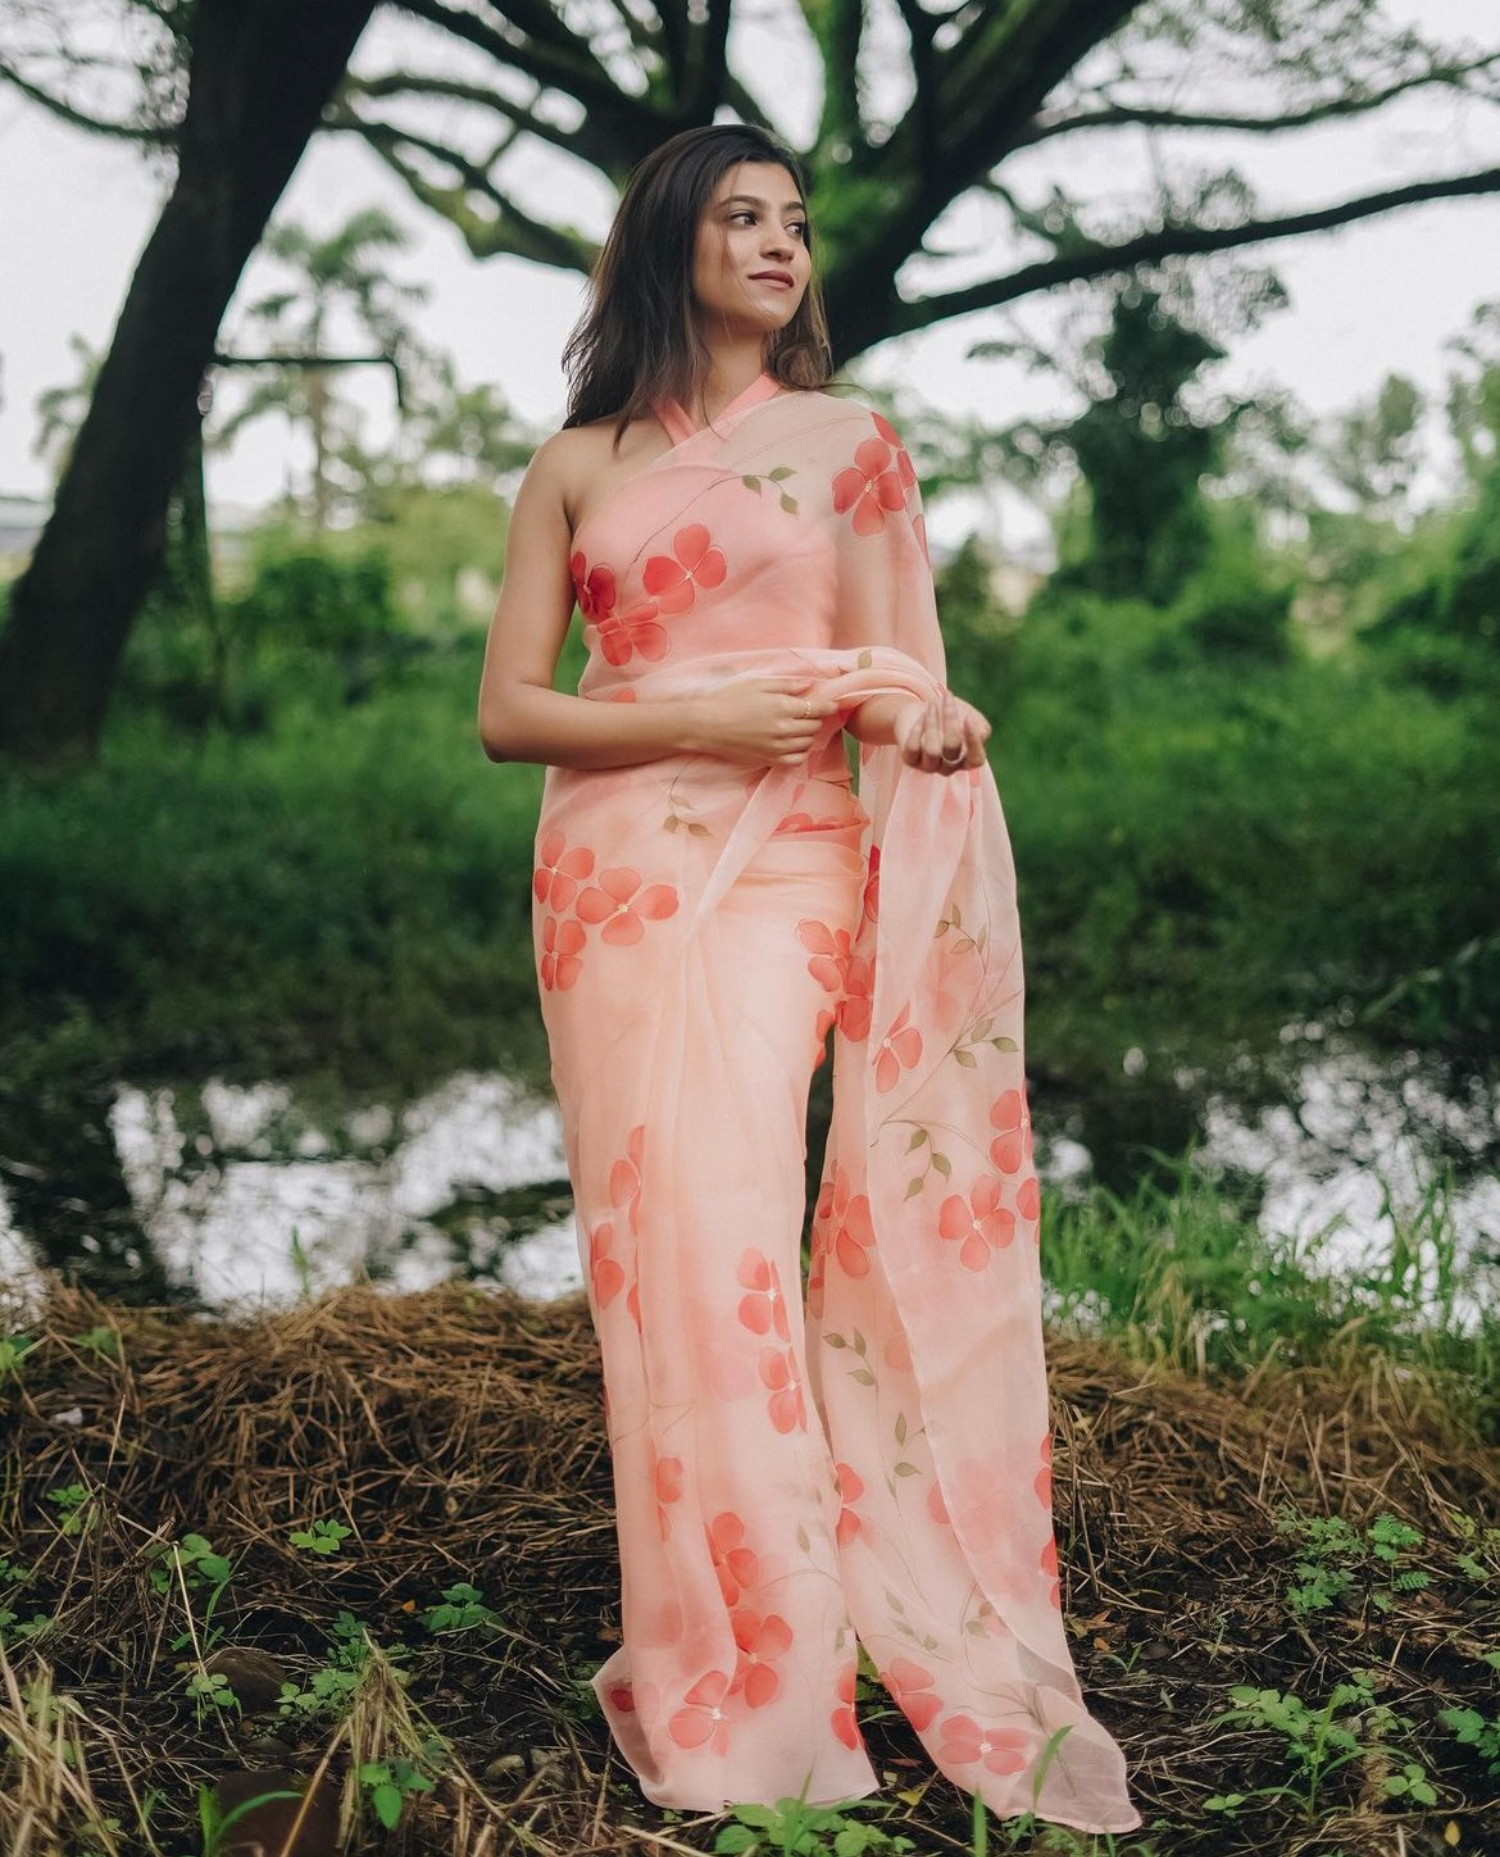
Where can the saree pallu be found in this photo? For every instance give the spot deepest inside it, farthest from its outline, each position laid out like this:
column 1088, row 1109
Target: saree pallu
column 864, row 1457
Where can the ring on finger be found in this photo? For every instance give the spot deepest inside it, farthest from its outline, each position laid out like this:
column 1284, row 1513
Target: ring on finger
column 953, row 760
column 806, row 708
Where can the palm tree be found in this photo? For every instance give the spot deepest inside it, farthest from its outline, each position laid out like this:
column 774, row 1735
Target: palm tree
column 337, row 275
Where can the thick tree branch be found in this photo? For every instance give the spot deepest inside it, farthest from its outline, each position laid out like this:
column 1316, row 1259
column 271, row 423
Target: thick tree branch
column 1122, row 116
column 541, row 47
column 396, row 85
column 511, row 231
column 1100, row 260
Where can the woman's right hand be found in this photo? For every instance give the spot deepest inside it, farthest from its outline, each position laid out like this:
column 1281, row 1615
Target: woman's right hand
column 761, row 721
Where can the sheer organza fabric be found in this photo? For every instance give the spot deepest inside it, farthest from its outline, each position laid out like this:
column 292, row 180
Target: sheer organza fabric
column 864, row 1455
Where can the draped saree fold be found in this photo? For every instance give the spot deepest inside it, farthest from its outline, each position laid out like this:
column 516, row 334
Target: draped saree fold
column 863, row 1457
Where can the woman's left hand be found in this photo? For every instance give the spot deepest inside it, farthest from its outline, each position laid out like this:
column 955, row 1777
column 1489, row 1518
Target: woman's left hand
column 943, row 736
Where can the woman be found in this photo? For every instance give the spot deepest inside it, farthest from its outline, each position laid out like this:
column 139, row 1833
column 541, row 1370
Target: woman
column 711, row 899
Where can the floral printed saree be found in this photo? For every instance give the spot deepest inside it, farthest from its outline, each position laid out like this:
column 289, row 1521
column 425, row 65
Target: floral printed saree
column 867, row 1453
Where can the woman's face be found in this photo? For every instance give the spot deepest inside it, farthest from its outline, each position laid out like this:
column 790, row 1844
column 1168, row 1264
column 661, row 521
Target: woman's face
column 750, row 261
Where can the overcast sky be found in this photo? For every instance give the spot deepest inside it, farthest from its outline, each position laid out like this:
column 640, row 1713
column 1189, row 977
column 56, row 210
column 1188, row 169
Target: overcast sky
column 1381, row 296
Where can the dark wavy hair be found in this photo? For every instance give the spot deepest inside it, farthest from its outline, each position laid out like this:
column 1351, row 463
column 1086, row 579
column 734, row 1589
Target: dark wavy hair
column 637, row 342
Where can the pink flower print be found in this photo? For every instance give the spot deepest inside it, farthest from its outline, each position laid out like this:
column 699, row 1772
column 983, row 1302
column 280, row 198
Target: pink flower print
column 633, row 1302
column 698, row 564
column 619, row 902
column 869, row 487
column 622, row 1697
column 778, row 1372
column 1042, row 1482
column 701, row 1721
column 621, row 635
column 848, row 1218
column 761, row 1641
column 830, row 950
column 966, row 1744
column 979, row 1506
column 795, row 822
column 859, row 997
column 1029, row 1202
column 595, row 591
column 1048, row 1564
column 560, row 871
column 900, row 1049
column 668, row 1490
column 764, row 1308
column 843, row 1720
column 981, row 1226
column 936, row 1507
column 562, row 943
column 1012, row 1144
column 736, row 1566
column 904, row 468
column 851, row 1488
column 625, row 1176
column 897, row 1354
column 907, row 1682
column 604, row 1272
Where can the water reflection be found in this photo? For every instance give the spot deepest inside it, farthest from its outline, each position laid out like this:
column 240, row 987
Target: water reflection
column 242, row 1196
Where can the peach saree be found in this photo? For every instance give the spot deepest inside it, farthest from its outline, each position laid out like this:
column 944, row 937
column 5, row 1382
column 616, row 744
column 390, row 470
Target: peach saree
column 865, row 1457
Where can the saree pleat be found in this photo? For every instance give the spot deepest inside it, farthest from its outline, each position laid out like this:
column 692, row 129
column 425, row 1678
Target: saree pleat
column 864, row 1457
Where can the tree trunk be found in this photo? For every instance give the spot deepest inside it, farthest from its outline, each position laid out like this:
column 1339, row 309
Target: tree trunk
column 261, row 74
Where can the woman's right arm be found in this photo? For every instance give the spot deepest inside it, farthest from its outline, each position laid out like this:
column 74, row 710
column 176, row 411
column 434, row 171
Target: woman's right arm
column 522, row 718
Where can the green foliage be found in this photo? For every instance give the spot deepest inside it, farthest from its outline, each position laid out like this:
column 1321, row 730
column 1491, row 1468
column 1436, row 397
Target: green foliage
column 792, row 1829
column 1142, row 453
column 463, row 1609
column 363, row 874
column 390, row 1783
column 192, row 1565
column 1234, row 608
column 329, row 1693
column 1473, row 1730
column 1337, row 1560
column 73, row 1504
column 13, row 1350
column 323, row 1538
column 1318, row 1741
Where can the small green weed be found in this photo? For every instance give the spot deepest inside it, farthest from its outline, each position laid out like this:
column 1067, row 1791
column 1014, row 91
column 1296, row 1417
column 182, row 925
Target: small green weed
column 13, row 1628
column 1319, row 1741
column 791, row 1828
column 13, row 1350
column 390, row 1783
column 211, row 1695
column 102, row 1340
column 323, row 1538
column 214, row 1823
column 331, row 1689
column 1337, row 1561
column 463, row 1609
column 1471, row 1729
column 72, row 1504
column 192, row 1565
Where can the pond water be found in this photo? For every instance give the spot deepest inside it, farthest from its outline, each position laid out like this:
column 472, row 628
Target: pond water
column 231, row 1197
